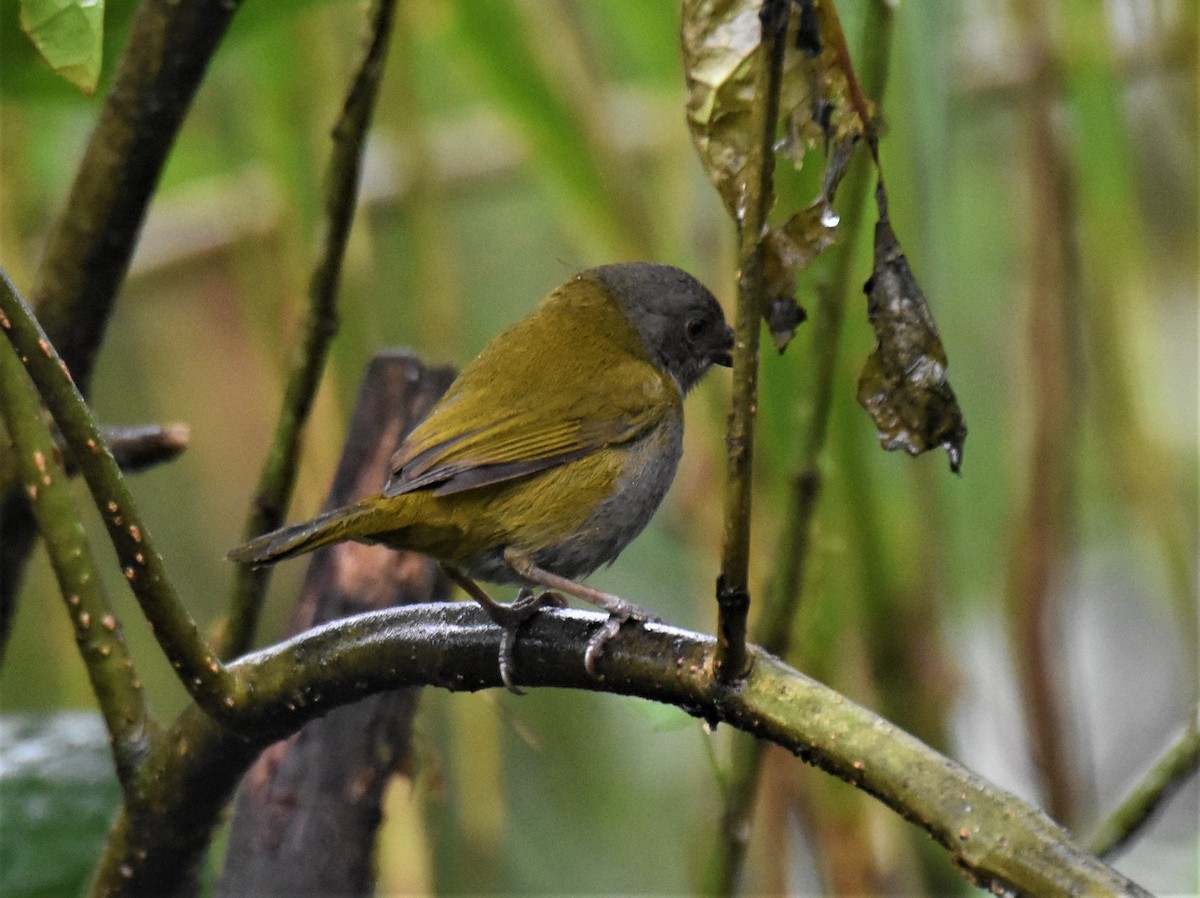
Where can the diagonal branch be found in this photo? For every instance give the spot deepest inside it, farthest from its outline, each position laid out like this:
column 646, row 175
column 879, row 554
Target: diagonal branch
column 170, row 45
column 1179, row 761
column 101, row 641
column 994, row 838
column 205, row 678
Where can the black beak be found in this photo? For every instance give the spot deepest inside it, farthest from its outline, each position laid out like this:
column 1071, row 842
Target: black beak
column 723, row 354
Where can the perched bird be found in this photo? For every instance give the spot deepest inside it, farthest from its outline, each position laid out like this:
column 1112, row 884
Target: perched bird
column 550, row 451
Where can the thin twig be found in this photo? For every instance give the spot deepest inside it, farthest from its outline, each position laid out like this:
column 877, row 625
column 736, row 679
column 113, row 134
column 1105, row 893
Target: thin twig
column 278, row 477
column 101, row 641
column 1169, row 772
column 733, row 590
column 774, row 627
column 205, row 678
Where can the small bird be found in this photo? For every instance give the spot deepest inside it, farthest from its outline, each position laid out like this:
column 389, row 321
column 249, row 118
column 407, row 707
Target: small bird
column 549, row 453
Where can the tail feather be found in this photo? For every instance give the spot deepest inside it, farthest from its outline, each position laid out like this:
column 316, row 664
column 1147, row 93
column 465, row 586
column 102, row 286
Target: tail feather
column 296, row 539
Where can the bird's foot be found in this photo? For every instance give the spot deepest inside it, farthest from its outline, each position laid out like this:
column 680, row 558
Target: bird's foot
column 619, row 612
column 510, row 618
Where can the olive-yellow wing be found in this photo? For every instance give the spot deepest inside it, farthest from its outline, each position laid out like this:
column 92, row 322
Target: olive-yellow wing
column 571, row 378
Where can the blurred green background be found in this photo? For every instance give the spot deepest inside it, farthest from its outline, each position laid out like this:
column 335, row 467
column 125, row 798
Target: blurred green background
column 517, row 141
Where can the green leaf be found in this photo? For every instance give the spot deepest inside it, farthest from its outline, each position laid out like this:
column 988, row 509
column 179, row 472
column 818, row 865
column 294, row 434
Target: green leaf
column 69, row 34
column 57, row 795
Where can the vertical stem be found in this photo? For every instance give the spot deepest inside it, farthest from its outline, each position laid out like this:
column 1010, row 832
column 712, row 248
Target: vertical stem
column 733, row 591
column 774, row 627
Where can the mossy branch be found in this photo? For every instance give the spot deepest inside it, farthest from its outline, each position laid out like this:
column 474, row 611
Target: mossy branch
column 102, row 645
column 205, row 678
column 278, row 478
column 998, row 841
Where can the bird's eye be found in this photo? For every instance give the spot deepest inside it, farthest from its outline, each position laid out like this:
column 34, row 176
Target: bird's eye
column 695, row 327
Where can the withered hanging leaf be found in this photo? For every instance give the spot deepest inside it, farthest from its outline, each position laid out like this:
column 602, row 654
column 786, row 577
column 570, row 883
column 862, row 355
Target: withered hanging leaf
column 720, row 54
column 720, row 50
column 903, row 384
column 783, row 316
column 793, row 245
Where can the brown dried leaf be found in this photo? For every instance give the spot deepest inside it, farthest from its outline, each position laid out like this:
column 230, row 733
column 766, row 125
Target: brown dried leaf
column 720, row 48
column 903, row 384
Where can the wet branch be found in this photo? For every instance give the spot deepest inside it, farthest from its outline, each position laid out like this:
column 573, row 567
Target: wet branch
column 205, row 678
column 110, row 669
column 994, row 838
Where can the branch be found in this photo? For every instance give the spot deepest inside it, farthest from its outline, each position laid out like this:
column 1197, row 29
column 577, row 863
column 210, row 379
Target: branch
column 101, row 641
column 1168, row 773
column 88, row 252
column 995, row 839
column 169, row 48
column 135, row 449
column 202, row 674
column 141, row 446
column 733, row 590
column 278, row 477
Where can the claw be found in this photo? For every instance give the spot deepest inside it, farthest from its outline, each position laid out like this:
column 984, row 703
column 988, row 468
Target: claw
column 509, row 618
column 595, row 646
column 619, row 609
column 609, row 629
column 508, row 641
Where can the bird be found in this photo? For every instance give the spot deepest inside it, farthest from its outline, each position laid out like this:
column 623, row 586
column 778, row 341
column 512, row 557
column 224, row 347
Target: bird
column 550, row 451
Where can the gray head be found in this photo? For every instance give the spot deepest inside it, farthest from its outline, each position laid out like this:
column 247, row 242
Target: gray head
column 679, row 320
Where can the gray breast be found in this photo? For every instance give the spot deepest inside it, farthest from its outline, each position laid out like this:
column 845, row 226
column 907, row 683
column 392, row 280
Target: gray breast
column 617, row 520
